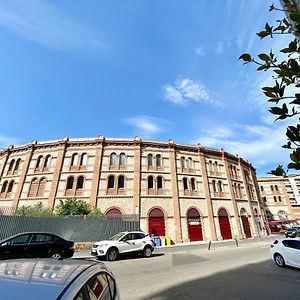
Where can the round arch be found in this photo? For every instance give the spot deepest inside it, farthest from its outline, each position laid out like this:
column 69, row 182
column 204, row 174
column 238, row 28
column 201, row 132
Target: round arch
column 113, row 211
column 224, row 224
column 194, row 224
column 245, row 223
column 156, row 222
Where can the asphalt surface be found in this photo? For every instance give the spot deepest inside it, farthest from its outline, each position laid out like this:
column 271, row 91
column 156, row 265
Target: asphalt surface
column 194, row 272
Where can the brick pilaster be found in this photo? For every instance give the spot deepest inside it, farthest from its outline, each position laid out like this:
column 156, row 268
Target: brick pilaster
column 137, row 176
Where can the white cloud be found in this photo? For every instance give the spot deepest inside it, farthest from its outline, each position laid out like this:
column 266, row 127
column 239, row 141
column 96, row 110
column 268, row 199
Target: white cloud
column 261, row 145
column 146, row 126
column 6, row 141
column 45, row 24
column 219, row 48
column 199, row 51
column 185, row 91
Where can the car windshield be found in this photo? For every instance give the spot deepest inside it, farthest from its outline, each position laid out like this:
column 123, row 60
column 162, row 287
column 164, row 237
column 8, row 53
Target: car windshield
column 117, row 236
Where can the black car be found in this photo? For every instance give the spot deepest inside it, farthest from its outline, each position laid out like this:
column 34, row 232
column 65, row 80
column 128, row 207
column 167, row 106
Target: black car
column 48, row 279
column 293, row 232
column 36, row 244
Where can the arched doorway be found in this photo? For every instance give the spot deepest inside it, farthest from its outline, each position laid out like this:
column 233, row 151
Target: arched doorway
column 224, row 224
column 194, row 225
column 113, row 212
column 245, row 222
column 157, row 222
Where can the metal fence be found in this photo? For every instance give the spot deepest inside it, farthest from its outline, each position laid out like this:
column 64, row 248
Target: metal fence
column 76, row 228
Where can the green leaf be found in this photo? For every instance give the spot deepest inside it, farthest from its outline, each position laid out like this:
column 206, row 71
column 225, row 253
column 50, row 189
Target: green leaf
column 246, row 57
column 264, row 57
column 295, row 17
column 263, row 34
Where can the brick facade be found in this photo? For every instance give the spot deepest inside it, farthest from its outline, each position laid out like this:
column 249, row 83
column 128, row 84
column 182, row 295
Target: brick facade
column 135, row 176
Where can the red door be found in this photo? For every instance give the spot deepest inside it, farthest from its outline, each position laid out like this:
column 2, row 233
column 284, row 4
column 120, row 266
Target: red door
column 157, row 222
column 194, row 225
column 224, row 225
column 246, row 226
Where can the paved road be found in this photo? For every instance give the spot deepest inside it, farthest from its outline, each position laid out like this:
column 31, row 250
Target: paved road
column 228, row 272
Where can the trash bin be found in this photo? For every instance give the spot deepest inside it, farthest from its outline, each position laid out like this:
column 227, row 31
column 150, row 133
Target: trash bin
column 157, row 241
column 168, row 240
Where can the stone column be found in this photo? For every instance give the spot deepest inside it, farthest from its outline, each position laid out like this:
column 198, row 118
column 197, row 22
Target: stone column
column 23, row 174
column 208, row 200
column 137, row 176
column 57, row 172
column 232, row 196
column 97, row 171
column 175, row 195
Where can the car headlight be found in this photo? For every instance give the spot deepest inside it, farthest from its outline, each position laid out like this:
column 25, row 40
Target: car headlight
column 102, row 245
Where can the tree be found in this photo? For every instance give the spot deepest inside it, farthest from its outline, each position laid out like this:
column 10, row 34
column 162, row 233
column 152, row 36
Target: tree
column 284, row 95
column 37, row 210
column 72, row 206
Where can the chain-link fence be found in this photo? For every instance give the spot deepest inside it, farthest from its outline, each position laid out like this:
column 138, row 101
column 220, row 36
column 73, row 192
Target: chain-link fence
column 76, row 228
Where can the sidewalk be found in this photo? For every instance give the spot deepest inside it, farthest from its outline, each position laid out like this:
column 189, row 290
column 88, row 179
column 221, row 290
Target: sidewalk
column 86, row 254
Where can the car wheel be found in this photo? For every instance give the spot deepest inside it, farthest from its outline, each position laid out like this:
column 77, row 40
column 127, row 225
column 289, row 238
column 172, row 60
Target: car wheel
column 111, row 254
column 56, row 255
column 279, row 260
column 147, row 252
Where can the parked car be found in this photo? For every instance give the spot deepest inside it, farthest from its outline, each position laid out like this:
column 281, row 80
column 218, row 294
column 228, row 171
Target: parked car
column 49, row 279
column 124, row 243
column 36, row 244
column 293, row 232
column 286, row 252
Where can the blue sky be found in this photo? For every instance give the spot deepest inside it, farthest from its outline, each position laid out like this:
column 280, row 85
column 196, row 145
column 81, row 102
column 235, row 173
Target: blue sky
column 156, row 69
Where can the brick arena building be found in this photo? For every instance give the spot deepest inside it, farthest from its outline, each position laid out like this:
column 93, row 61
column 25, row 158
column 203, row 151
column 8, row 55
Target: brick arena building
column 187, row 192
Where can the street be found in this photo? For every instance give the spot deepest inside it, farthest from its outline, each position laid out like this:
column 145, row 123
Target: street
column 228, row 272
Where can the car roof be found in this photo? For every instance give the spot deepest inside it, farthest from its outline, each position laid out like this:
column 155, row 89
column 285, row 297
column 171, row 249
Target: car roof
column 29, row 232
column 41, row 278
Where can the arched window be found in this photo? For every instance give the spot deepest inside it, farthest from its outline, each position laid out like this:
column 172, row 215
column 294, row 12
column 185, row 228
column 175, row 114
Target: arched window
column 121, row 182
column 231, row 170
column 261, row 188
column 47, row 161
column 74, row 160
column 190, row 163
column 41, row 188
column 220, row 186
column 70, row 183
column 10, row 167
column 185, row 184
column 10, row 186
column 83, row 159
column 80, row 181
column 3, row 189
column 216, row 166
column 240, row 191
column 214, row 186
column 150, row 182
column 113, row 159
column 39, row 162
column 243, row 212
column 193, row 184
column 235, row 190
column 33, row 188
column 210, row 165
column 113, row 212
column 158, row 160
column 276, row 187
column 150, row 160
column 17, row 166
column 279, row 198
column 122, row 160
column 272, row 188
column 275, row 199
column 159, row 182
column 111, row 182
column 182, row 161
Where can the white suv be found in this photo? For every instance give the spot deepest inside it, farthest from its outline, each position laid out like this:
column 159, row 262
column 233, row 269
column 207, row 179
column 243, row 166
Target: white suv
column 124, row 243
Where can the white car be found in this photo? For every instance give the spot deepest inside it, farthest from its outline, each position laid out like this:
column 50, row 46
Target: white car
column 286, row 252
column 124, row 243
